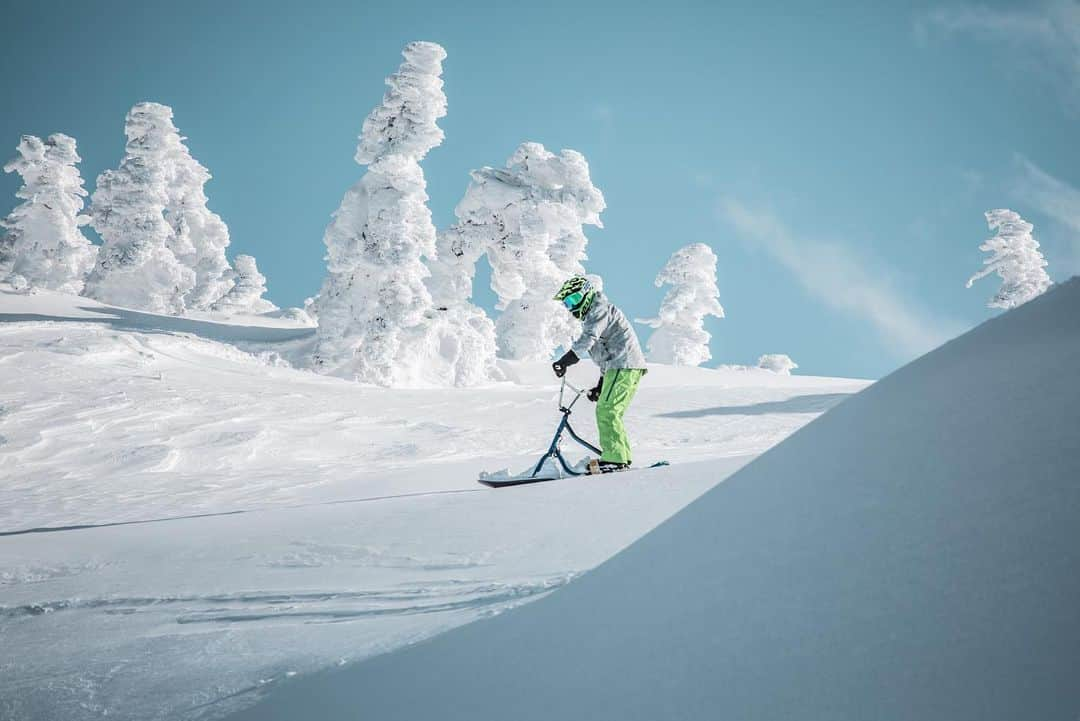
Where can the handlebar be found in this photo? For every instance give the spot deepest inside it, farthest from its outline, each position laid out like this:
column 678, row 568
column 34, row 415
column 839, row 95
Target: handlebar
column 562, row 392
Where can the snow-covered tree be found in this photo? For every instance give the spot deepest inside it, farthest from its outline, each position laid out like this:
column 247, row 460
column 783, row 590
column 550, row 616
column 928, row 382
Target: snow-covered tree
column 528, row 219
column 374, row 297
column 458, row 248
column 43, row 243
column 778, row 363
column 461, row 337
column 136, row 267
column 246, row 293
column 1016, row 258
column 199, row 236
column 7, row 251
column 680, row 337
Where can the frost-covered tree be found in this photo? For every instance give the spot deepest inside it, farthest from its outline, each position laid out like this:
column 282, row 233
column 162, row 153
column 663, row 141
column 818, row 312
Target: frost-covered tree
column 778, row 363
column 1016, row 258
column 136, row 267
column 374, row 300
column 528, row 219
column 7, row 251
column 461, row 337
column 680, row 337
column 246, row 293
column 43, row 246
column 199, row 236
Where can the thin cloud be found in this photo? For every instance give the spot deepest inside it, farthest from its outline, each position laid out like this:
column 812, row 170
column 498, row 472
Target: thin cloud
column 604, row 115
column 1057, row 200
column 834, row 275
column 1047, row 33
column 1049, row 195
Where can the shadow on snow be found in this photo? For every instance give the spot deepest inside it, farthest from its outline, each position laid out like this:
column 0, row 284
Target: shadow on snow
column 125, row 319
column 817, row 403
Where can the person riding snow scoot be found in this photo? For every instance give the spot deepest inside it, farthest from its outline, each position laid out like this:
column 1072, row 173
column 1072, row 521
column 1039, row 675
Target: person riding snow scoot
column 609, row 339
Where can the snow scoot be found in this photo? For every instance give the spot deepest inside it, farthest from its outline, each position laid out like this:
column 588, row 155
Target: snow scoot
column 554, row 454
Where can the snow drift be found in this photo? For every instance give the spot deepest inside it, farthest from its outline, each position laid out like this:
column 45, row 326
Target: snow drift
column 914, row 553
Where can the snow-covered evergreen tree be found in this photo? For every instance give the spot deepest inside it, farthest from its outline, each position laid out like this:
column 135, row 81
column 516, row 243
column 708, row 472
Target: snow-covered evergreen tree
column 136, row 267
column 778, row 363
column 199, row 236
column 680, row 337
column 43, row 244
column 374, row 296
column 1016, row 258
column 246, row 293
column 528, row 219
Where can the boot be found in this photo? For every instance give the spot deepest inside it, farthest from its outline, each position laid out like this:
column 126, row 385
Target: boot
column 596, row 467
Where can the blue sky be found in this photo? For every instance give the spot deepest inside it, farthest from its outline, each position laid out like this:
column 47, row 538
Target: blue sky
column 838, row 157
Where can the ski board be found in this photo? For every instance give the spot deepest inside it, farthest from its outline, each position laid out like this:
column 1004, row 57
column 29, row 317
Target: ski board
column 524, row 480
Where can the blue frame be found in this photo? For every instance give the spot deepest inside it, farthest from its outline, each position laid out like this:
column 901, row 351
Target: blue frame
column 553, row 450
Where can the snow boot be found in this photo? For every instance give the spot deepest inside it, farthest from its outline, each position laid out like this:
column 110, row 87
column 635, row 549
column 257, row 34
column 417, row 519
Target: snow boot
column 597, row 467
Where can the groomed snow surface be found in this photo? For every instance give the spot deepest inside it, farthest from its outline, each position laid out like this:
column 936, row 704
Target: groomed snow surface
column 187, row 523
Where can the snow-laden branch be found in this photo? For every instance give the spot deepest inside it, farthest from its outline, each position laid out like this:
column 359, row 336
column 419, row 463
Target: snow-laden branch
column 404, row 124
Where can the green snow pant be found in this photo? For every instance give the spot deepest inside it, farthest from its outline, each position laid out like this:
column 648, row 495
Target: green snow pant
column 615, row 395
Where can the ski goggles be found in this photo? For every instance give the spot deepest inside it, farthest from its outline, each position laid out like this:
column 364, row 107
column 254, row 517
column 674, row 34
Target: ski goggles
column 573, row 300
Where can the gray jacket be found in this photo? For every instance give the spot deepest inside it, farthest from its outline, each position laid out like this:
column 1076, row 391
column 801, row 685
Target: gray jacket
column 608, row 338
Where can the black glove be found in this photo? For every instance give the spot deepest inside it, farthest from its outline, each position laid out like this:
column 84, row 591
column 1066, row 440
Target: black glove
column 594, row 393
column 563, row 363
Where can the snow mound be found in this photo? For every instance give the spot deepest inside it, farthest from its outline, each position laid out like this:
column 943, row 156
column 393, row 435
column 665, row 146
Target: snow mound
column 777, row 363
column 914, row 553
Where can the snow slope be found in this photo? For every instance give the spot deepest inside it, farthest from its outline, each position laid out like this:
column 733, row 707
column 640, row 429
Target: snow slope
column 913, row 554
column 183, row 524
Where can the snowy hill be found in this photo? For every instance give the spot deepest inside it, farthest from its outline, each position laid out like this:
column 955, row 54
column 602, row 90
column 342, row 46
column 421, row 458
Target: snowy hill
column 913, row 554
column 186, row 522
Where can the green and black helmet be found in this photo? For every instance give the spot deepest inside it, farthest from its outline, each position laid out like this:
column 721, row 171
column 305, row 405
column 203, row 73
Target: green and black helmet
column 577, row 295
